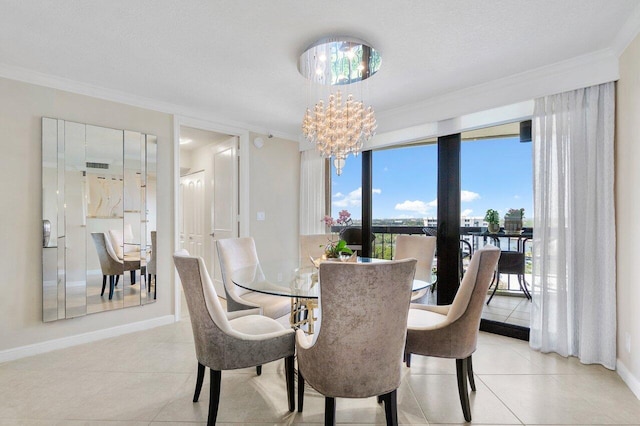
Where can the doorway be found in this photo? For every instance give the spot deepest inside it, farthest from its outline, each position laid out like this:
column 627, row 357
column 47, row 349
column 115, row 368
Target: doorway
column 208, row 194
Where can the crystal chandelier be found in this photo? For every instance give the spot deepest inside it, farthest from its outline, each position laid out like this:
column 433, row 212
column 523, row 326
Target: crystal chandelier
column 338, row 128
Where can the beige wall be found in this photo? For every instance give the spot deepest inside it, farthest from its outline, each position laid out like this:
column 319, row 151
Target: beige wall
column 627, row 209
column 275, row 186
column 22, row 107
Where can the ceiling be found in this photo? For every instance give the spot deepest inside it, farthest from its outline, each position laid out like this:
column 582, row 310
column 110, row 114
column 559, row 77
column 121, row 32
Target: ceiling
column 235, row 62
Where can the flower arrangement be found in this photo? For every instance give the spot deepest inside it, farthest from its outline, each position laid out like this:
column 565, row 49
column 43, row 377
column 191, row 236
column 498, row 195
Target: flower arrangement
column 344, row 218
column 492, row 216
column 515, row 214
column 333, row 250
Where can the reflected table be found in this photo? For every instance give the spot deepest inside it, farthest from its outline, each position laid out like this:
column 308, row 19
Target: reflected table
column 296, row 279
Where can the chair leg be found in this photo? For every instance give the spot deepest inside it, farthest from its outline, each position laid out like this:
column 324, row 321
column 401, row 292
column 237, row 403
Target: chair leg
column 329, row 411
column 407, row 358
column 111, row 286
column 380, row 400
column 155, row 287
column 104, row 284
column 300, row 390
column 288, row 372
column 472, row 381
column 199, row 381
column 496, row 278
column 258, row 370
column 214, row 396
column 133, row 277
column 461, row 372
column 117, row 279
column 391, row 407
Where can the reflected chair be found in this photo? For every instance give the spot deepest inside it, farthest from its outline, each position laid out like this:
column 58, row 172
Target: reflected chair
column 358, row 348
column 312, row 246
column 229, row 341
column 236, row 253
column 151, row 266
column 111, row 266
column 452, row 331
column 421, row 248
column 122, row 243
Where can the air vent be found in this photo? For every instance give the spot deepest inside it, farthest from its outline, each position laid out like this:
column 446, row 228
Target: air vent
column 97, row 166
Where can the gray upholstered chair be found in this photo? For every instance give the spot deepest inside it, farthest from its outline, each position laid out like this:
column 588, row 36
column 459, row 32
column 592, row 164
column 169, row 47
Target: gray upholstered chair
column 452, row 331
column 235, row 253
column 228, row 341
column 422, row 249
column 358, row 350
column 151, row 266
column 111, row 266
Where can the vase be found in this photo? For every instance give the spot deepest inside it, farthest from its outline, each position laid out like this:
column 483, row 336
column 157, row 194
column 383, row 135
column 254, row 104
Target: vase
column 494, row 228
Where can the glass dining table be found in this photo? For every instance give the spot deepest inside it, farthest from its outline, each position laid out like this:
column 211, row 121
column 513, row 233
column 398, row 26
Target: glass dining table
column 296, row 279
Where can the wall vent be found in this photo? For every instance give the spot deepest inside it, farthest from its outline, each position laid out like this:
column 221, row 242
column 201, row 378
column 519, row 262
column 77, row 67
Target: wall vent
column 97, row 165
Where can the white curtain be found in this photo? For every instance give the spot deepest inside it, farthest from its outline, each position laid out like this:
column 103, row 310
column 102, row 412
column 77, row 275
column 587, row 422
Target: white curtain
column 312, row 187
column 574, row 275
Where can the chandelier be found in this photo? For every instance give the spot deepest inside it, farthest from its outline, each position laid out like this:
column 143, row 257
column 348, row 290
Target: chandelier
column 339, row 129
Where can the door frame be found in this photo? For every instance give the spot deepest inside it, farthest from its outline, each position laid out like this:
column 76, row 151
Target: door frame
column 243, row 183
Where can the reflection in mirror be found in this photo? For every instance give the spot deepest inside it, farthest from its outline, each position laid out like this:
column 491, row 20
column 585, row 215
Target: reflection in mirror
column 96, row 224
column 149, row 218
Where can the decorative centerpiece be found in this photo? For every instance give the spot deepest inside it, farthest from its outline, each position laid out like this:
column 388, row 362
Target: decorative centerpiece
column 492, row 217
column 513, row 221
column 337, row 250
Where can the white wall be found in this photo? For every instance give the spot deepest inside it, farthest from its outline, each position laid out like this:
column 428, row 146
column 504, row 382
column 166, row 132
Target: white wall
column 275, row 190
column 627, row 208
column 22, row 107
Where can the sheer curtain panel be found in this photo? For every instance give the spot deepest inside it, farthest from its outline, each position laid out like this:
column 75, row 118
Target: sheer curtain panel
column 312, row 198
column 574, row 275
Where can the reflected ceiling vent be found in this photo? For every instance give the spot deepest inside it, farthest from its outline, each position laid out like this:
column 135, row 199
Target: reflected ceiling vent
column 97, row 166
column 184, row 171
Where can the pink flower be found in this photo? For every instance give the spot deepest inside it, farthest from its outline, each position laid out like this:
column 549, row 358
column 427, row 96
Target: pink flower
column 328, row 220
column 343, row 218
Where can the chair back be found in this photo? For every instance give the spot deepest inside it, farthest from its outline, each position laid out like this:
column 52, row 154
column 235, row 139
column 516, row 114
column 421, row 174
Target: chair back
column 418, row 247
column 208, row 319
column 151, row 265
column 233, row 254
column 364, row 309
column 109, row 262
column 312, row 246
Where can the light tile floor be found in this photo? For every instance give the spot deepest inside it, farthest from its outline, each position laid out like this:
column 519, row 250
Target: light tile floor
column 148, row 378
column 509, row 309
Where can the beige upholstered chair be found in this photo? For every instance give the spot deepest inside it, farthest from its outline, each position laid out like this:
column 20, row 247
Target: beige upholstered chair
column 452, row 331
column 228, row 341
column 312, row 246
column 235, row 253
column 111, row 266
column 151, row 266
column 358, row 349
column 421, row 248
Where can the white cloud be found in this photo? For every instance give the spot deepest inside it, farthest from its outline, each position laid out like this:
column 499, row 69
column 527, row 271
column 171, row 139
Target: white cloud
column 467, row 196
column 466, row 212
column 517, row 197
column 414, row 206
column 352, row 199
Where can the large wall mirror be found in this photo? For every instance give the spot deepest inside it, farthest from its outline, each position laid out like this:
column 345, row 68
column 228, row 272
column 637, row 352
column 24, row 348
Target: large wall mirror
column 99, row 219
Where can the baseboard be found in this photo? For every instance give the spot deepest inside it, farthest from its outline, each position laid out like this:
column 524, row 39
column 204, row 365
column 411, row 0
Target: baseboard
column 78, row 339
column 631, row 380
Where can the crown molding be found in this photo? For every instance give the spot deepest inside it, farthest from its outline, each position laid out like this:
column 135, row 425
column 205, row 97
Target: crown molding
column 60, row 83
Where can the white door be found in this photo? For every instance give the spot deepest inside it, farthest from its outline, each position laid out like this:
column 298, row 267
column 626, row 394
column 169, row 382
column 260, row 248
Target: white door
column 192, row 225
column 224, row 208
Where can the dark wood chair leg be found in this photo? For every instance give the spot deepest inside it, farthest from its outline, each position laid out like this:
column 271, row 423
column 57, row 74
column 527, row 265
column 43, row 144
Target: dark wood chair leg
column 258, row 370
column 133, row 277
column 300, row 391
column 407, row 358
column 214, row 396
column 391, row 407
column 199, row 381
column 111, row 286
column 104, row 284
column 117, row 279
column 288, row 372
column 472, row 381
column 461, row 372
column 380, row 400
column 329, row 411
column 155, row 287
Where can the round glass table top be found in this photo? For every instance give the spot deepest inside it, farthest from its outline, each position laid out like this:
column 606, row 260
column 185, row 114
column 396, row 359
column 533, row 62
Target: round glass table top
column 291, row 278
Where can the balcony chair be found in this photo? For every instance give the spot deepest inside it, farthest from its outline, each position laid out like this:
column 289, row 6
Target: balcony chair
column 353, row 237
column 229, row 341
column 452, row 331
column 358, row 352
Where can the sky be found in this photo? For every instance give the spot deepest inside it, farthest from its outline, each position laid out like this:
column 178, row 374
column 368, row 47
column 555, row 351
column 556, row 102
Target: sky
column 496, row 174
